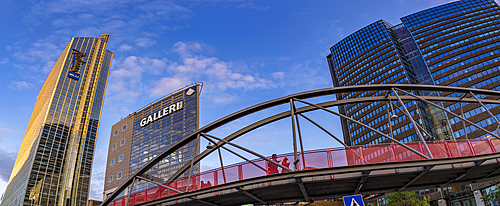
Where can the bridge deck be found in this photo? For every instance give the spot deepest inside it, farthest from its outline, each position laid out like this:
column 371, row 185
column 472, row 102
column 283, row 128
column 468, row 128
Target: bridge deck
column 333, row 173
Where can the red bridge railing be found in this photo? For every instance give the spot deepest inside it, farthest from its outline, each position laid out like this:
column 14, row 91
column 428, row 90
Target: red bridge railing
column 315, row 160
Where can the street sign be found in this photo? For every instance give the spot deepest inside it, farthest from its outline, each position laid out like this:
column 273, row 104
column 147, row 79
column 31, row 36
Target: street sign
column 353, row 200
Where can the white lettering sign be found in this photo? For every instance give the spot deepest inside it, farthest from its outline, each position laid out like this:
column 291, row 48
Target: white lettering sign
column 162, row 113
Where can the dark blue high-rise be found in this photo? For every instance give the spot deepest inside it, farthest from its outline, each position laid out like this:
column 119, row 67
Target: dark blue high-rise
column 455, row 44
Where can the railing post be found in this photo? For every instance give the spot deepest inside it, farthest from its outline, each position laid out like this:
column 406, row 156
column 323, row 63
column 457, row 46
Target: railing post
column 422, row 148
column 329, row 158
column 295, row 156
column 145, row 195
column 492, row 147
column 175, row 186
column 240, row 172
column 362, row 156
column 471, row 148
column 448, row 149
column 216, row 178
column 159, row 192
column 393, row 153
column 193, row 183
column 133, row 199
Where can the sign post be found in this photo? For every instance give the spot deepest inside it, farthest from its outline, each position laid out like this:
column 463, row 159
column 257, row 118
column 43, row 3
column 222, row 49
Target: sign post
column 354, row 200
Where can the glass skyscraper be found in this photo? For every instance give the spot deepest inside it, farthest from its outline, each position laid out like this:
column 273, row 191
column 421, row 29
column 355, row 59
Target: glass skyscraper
column 455, row 44
column 141, row 136
column 54, row 163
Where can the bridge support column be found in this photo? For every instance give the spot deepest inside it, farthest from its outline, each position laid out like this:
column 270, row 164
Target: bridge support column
column 477, row 196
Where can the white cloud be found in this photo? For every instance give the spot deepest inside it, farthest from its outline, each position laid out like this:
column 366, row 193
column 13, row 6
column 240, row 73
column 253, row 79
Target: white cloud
column 251, row 5
column 329, row 33
column 222, row 98
column 6, row 132
column 125, row 83
column 124, row 47
column 4, row 61
column 98, row 175
column 22, row 85
column 219, row 75
column 166, row 9
column 7, row 160
column 303, row 76
column 145, row 42
column 279, row 75
column 43, row 50
column 166, row 85
column 184, row 48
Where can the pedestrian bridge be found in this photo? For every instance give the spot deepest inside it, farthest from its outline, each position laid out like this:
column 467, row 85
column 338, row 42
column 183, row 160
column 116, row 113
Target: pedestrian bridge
column 305, row 176
column 341, row 171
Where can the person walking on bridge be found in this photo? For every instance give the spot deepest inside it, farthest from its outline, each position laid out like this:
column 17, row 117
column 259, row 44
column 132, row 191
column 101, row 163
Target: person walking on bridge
column 273, row 169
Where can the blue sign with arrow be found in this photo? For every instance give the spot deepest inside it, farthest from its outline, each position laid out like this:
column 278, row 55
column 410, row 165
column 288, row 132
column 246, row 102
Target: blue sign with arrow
column 354, row 200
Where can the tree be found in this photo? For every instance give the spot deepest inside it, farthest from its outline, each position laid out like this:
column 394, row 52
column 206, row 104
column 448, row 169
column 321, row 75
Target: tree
column 407, row 199
column 492, row 195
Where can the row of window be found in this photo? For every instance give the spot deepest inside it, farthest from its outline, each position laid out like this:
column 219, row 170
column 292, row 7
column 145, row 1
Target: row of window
column 440, row 12
column 463, row 46
column 118, row 176
column 474, row 24
column 347, row 73
column 112, row 162
column 123, row 128
column 122, row 142
column 363, row 39
column 452, row 21
column 367, row 68
column 466, row 61
column 461, row 82
column 451, row 39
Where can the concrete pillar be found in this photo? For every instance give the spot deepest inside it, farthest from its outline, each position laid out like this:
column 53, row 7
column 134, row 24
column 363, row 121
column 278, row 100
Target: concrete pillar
column 477, row 196
column 442, row 202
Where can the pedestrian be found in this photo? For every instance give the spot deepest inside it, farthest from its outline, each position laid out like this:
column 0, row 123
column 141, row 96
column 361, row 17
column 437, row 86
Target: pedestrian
column 286, row 164
column 273, row 169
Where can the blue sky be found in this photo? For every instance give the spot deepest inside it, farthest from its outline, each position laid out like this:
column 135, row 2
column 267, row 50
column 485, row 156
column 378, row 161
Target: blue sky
column 245, row 52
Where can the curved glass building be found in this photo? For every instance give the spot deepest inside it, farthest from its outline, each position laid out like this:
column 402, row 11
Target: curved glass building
column 455, row 44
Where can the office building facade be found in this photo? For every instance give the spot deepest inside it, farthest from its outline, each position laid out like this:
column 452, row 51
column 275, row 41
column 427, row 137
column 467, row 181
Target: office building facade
column 141, row 136
column 456, row 44
column 54, row 162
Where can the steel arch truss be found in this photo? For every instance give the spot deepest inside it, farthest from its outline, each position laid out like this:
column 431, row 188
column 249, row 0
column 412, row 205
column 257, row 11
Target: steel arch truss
column 394, row 94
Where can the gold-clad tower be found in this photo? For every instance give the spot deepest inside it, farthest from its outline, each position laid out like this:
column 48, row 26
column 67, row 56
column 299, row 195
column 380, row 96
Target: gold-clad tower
column 54, row 163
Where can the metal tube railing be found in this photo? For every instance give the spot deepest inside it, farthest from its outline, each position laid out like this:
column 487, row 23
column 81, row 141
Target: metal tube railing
column 333, row 157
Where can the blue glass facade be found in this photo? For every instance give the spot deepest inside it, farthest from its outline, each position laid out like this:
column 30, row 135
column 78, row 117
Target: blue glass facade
column 153, row 138
column 455, row 44
column 140, row 137
column 459, row 42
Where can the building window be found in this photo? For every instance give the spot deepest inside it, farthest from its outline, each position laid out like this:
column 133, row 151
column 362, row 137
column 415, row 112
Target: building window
column 114, row 146
column 110, row 179
column 116, row 132
column 124, row 127
column 120, row 158
column 112, row 162
column 119, row 175
column 122, row 142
